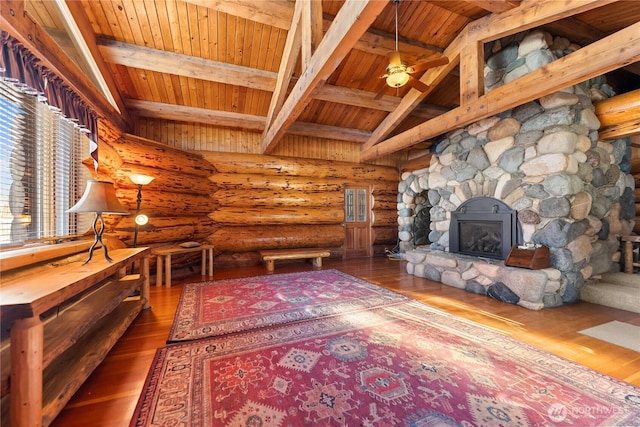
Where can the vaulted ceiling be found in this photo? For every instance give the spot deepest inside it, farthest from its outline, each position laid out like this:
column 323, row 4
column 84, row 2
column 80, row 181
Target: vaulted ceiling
column 314, row 67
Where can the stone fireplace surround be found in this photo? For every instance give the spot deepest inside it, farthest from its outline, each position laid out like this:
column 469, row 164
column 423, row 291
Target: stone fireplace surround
column 544, row 159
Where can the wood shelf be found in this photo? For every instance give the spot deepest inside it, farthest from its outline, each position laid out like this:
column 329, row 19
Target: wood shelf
column 71, row 369
column 63, row 321
column 79, row 319
column 74, row 321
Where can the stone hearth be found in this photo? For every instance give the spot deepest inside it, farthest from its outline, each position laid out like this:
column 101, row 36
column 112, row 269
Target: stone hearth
column 572, row 192
column 529, row 288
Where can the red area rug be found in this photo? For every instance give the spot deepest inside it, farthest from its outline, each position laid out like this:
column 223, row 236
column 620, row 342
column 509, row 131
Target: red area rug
column 227, row 306
column 400, row 365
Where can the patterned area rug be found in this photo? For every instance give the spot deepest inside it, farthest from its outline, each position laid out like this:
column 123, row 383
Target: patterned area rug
column 227, row 306
column 400, row 365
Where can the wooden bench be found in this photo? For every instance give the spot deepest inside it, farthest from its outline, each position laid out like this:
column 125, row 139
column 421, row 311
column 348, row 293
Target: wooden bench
column 164, row 257
column 316, row 255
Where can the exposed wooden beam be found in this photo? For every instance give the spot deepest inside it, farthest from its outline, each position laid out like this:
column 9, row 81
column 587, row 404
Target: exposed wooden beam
column 279, row 13
column 471, row 72
column 84, row 39
column 290, row 55
column 353, row 19
column 162, row 61
column 495, row 6
column 365, row 99
column 276, row 13
column 593, row 60
column 356, row 97
column 328, row 132
column 15, row 20
column 181, row 113
column 311, row 29
column 530, row 14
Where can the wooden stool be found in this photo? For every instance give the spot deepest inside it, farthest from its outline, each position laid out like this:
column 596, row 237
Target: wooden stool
column 629, row 242
column 164, row 256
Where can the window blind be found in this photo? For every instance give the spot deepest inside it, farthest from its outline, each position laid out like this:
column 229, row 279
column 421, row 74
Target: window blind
column 42, row 174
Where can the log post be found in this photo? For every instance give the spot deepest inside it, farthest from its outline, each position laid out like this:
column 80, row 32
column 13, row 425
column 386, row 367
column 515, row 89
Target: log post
column 144, row 275
column 27, row 342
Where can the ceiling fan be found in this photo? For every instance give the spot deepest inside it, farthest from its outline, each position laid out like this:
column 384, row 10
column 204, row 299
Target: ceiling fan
column 398, row 73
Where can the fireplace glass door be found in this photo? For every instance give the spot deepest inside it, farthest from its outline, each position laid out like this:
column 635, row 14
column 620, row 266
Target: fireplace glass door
column 481, row 238
column 486, row 235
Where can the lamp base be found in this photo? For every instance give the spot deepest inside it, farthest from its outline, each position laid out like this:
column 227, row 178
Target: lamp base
column 98, row 239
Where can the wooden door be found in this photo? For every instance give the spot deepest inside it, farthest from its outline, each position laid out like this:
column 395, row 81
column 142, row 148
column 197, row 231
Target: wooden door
column 357, row 217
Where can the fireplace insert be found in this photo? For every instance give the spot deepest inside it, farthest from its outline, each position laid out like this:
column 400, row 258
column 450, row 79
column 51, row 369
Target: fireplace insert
column 484, row 227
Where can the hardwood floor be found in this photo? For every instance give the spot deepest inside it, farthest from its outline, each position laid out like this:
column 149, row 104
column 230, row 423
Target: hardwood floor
column 110, row 395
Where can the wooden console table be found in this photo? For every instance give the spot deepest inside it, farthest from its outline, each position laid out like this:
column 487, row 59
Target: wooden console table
column 64, row 319
column 164, row 257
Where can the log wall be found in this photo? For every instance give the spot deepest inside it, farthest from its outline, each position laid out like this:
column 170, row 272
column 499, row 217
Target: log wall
column 272, row 202
column 177, row 201
column 240, row 202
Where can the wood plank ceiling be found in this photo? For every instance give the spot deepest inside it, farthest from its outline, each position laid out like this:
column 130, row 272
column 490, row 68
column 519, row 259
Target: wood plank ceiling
column 313, row 68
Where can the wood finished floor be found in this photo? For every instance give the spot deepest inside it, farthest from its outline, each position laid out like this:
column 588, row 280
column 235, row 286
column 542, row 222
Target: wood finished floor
column 110, row 395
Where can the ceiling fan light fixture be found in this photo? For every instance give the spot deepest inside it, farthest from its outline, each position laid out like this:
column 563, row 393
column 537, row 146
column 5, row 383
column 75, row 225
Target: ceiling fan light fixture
column 397, row 72
column 397, row 76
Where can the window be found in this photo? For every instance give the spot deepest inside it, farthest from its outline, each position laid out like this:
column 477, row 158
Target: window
column 355, row 202
column 41, row 174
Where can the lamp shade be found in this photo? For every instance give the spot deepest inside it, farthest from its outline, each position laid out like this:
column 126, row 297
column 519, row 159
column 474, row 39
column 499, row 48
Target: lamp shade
column 139, row 179
column 397, row 77
column 100, row 197
column 141, row 219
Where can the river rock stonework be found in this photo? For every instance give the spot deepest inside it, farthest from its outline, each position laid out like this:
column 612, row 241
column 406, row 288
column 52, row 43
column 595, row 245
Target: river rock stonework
column 572, row 191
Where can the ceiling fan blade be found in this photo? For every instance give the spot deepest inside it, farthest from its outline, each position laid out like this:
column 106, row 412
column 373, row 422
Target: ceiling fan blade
column 394, row 59
column 417, row 84
column 443, row 60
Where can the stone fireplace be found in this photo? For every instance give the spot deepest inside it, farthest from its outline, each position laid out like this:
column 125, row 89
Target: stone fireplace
column 543, row 170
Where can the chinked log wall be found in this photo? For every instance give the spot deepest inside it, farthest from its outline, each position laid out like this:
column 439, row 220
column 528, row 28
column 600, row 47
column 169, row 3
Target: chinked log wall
column 239, row 202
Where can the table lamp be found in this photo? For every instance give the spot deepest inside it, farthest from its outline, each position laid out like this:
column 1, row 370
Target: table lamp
column 99, row 197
